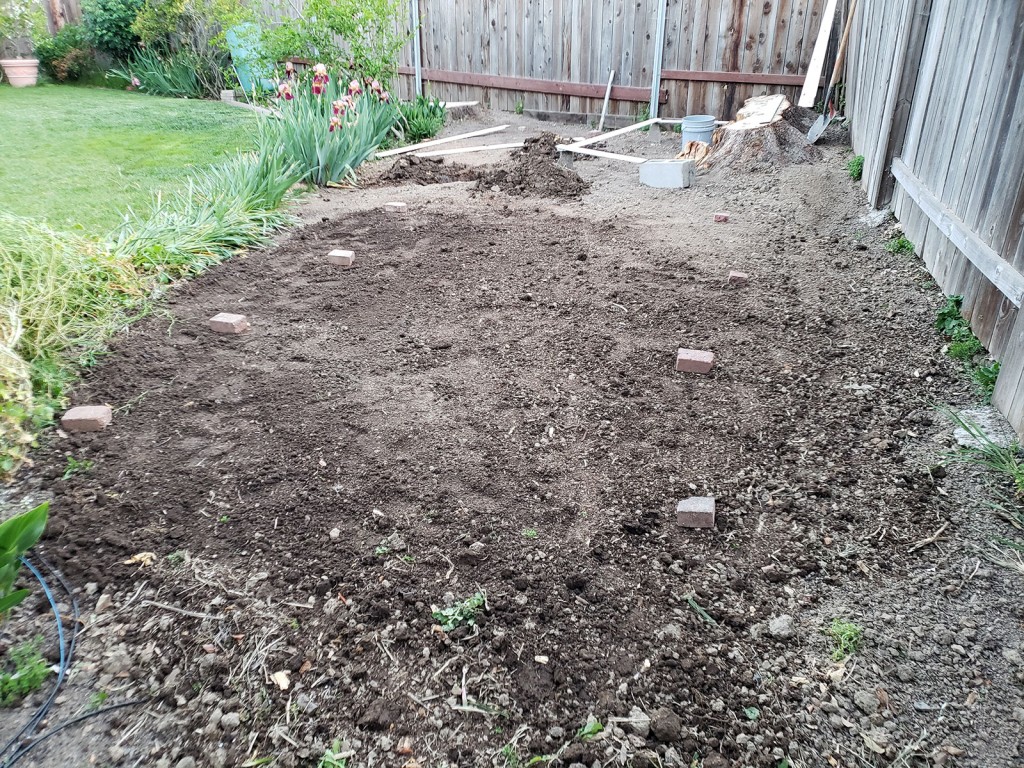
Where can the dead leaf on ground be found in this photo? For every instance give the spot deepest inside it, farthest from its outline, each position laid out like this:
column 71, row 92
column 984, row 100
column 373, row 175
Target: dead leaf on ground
column 144, row 559
column 282, row 679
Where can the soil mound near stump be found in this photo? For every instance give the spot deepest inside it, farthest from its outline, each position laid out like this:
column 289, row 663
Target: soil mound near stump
column 533, row 172
column 427, row 170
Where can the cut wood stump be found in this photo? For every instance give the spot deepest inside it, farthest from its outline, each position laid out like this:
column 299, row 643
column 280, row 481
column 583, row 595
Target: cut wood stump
column 760, row 138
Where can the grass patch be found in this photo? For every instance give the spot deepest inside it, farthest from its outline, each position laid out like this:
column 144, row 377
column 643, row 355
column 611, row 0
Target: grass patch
column 846, row 638
column 25, row 671
column 965, row 346
column 78, row 157
column 856, row 167
column 900, row 246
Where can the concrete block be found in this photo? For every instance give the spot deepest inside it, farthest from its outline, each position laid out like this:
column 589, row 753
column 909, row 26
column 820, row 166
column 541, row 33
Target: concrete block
column 694, row 361
column 721, row 217
column 86, row 418
column 225, row 322
column 696, row 512
column 396, row 207
column 737, row 278
column 227, row 95
column 341, row 258
column 667, row 174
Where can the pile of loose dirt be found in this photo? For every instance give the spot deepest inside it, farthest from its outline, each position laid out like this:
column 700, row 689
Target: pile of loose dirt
column 427, row 170
column 533, row 172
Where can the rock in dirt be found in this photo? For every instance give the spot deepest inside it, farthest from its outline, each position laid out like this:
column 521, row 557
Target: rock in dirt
column 639, row 722
column 533, row 171
column 715, row 760
column 186, row 762
column 866, row 701
column 378, row 716
column 666, row 725
column 230, row 721
column 989, row 422
column 782, row 627
column 105, row 603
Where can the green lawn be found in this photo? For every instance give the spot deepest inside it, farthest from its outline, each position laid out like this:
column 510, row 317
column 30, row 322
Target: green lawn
column 78, row 157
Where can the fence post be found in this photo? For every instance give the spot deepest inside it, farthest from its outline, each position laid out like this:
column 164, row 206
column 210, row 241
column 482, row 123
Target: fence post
column 659, row 54
column 417, row 45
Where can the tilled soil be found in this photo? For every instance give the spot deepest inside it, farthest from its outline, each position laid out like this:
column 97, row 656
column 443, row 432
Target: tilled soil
column 485, row 404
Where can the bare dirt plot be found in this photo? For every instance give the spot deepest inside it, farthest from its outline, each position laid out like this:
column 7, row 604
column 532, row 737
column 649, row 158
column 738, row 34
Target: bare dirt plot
column 486, row 403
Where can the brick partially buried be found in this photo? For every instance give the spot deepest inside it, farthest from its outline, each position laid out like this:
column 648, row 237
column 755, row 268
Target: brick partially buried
column 396, row 207
column 695, row 361
column 341, row 258
column 696, row 512
column 86, row 418
column 738, row 278
column 225, row 322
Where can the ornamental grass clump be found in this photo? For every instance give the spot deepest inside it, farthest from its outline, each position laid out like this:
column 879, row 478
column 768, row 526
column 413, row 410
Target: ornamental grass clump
column 232, row 206
column 326, row 127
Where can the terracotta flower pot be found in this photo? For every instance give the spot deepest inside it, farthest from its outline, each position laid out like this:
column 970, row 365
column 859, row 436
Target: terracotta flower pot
column 21, row 72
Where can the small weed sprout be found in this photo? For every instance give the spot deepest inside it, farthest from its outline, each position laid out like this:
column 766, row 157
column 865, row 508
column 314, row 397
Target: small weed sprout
column 965, row 346
column 520, row 107
column 590, row 729
column 530, row 533
column 29, row 672
column 333, row 757
column 382, row 551
column 223, row 519
column 900, row 246
column 460, row 614
column 846, row 638
column 98, row 699
column 856, row 167
column 74, row 467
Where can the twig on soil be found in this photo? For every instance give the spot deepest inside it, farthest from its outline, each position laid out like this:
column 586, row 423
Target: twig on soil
column 423, row 702
column 700, row 611
column 443, row 667
column 935, row 537
column 182, row 611
column 465, row 669
column 386, row 651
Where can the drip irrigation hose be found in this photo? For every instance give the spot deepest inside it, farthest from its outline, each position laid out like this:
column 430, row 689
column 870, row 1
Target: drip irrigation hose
column 67, row 724
column 66, row 651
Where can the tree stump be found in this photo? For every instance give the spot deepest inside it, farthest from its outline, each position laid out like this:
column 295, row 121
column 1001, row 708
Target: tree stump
column 760, row 138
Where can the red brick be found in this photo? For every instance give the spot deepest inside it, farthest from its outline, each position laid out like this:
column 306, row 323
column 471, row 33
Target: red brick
column 696, row 512
column 86, row 418
column 721, row 217
column 225, row 322
column 396, row 207
column 695, row 361
column 341, row 258
column 738, row 278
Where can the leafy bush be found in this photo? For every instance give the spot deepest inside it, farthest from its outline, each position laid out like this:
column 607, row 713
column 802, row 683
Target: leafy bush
column 359, row 38
column 17, row 536
column 21, row 20
column 856, row 167
column 29, row 671
column 326, row 130
column 985, row 379
column 109, row 25
column 67, row 55
column 164, row 74
column 421, row 119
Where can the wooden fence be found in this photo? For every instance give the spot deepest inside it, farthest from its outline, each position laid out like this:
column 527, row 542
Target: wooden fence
column 936, row 96
column 556, row 56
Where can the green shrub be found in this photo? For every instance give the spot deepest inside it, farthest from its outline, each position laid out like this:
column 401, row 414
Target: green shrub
column 985, row 379
column 18, row 535
column 26, row 670
column 109, row 25
column 67, row 55
column 421, row 119
column 359, row 38
column 856, row 167
column 326, row 130
column 21, row 20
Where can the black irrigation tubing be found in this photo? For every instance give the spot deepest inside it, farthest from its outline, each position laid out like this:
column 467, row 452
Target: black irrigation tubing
column 67, row 724
column 67, row 649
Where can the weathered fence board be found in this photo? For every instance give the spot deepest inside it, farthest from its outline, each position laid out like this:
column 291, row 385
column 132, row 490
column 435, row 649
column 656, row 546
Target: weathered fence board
column 936, row 99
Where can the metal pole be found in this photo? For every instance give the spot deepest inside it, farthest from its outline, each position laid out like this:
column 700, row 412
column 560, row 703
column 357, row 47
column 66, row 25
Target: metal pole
column 659, row 53
column 417, row 43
